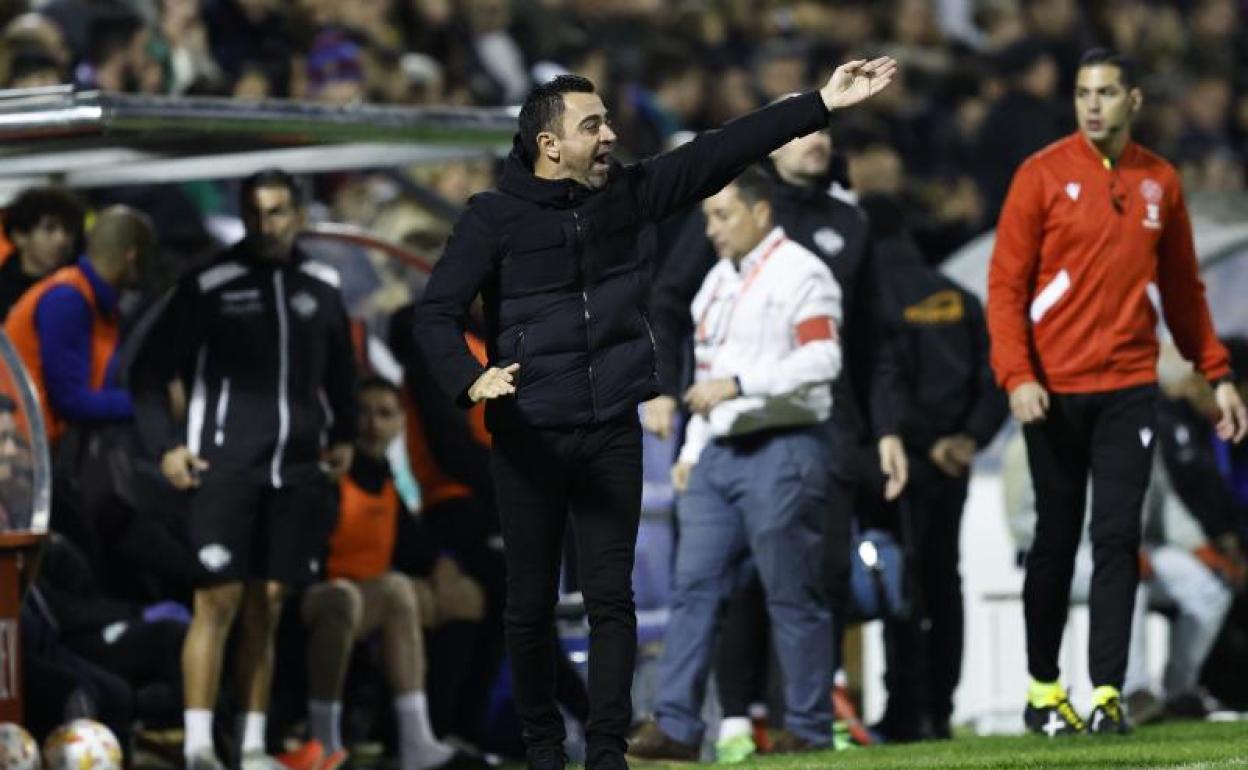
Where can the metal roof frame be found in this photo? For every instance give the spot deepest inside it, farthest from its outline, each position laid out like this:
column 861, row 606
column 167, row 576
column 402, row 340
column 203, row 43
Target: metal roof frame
column 88, row 139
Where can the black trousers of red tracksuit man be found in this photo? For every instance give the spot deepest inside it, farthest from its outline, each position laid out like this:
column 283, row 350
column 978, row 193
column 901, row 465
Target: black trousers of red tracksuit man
column 1108, row 435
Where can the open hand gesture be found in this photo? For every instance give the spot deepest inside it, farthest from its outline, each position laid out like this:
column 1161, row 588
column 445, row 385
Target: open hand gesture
column 856, row 80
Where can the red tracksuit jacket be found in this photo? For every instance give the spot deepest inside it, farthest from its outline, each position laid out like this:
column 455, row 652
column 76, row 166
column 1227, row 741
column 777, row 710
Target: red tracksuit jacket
column 1081, row 244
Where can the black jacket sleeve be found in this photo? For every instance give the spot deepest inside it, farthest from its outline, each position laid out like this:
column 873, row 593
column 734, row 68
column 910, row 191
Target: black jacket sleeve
column 167, row 354
column 692, row 257
column 674, row 179
column 990, row 409
column 877, row 346
column 465, row 267
column 340, row 376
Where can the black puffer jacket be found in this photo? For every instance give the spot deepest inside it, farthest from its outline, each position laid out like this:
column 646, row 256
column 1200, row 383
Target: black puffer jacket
column 563, row 278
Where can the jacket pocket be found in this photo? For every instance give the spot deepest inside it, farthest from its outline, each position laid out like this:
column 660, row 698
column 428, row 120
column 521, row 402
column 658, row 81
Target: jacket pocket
column 538, row 259
column 1049, row 296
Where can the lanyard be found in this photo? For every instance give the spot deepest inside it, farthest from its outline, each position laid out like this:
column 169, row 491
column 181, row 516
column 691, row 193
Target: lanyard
column 745, row 286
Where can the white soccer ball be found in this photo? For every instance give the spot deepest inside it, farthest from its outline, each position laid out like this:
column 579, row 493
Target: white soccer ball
column 82, row 745
column 18, row 750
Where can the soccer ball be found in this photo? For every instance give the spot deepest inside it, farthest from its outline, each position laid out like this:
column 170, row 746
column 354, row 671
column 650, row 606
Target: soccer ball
column 82, row 745
column 18, row 751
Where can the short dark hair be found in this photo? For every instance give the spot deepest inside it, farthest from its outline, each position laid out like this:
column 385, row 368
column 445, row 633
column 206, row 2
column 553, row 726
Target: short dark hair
column 111, row 31
column 30, row 60
column 543, row 109
column 269, row 177
column 29, row 208
column 1094, row 57
column 755, row 185
column 377, row 382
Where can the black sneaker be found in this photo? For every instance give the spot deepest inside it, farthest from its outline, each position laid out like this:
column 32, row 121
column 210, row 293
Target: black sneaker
column 546, row 758
column 1058, row 719
column 1109, row 719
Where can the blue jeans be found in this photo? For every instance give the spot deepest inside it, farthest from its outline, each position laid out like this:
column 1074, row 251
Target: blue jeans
column 763, row 497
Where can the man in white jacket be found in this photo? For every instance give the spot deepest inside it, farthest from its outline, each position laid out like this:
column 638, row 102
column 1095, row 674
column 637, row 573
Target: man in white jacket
column 753, row 469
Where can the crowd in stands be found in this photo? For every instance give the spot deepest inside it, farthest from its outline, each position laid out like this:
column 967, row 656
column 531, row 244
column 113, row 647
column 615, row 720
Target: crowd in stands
column 985, row 81
column 984, row 84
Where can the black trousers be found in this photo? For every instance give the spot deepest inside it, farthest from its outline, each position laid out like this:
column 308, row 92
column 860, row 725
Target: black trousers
column 1110, row 436
column 743, row 663
column 541, row 476
column 923, row 652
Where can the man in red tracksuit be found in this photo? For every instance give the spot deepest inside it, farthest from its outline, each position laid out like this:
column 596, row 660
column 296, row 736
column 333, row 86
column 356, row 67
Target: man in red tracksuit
column 1093, row 229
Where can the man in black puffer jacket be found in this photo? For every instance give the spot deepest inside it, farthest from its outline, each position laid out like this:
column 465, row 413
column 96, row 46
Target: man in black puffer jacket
column 554, row 254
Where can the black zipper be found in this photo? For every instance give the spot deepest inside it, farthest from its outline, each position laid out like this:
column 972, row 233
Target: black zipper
column 654, row 347
column 589, row 348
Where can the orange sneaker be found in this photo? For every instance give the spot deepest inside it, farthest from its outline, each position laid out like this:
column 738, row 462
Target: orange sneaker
column 843, row 710
column 760, row 733
column 309, row 756
column 334, row 760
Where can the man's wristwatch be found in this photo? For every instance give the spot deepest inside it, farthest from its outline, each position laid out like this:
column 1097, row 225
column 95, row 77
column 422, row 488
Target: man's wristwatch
column 1226, row 379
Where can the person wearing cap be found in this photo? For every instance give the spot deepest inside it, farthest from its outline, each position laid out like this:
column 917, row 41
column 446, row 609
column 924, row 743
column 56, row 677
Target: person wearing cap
column 1093, row 240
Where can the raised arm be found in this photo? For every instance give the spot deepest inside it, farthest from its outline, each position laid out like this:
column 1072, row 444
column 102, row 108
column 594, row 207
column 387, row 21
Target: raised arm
column 689, row 173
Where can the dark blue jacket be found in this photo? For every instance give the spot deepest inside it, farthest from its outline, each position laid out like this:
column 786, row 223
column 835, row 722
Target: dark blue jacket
column 564, row 284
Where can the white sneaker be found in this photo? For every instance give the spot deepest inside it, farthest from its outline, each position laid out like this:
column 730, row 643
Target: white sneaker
column 204, row 759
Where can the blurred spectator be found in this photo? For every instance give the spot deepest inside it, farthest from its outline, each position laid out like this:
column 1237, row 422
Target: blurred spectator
column 66, row 327
column 362, row 595
column 424, row 79
column 245, row 31
column 1024, row 119
column 372, row 21
column 335, row 69
column 948, row 408
column 666, row 101
column 1207, row 104
column 1000, row 22
column 1062, row 28
column 497, row 72
column 43, row 225
column 117, row 57
column 258, row 80
column 782, row 67
column 37, row 31
column 32, row 68
column 138, row 644
column 186, row 36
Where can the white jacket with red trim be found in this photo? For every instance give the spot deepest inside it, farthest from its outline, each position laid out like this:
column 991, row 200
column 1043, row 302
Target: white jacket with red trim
column 771, row 323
